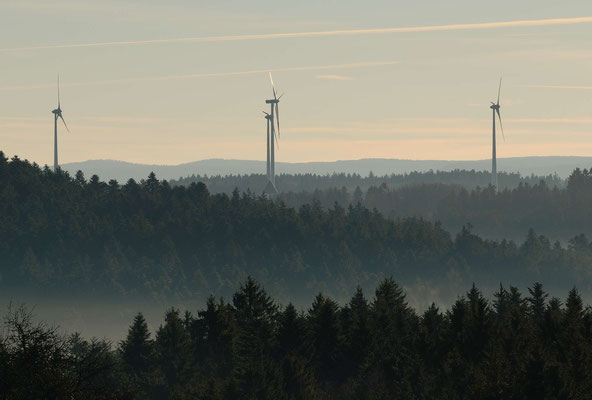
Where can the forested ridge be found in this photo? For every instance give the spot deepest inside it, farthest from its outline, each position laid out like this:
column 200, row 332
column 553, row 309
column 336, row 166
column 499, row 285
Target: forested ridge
column 506, row 214
column 308, row 182
column 551, row 206
column 512, row 346
column 67, row 235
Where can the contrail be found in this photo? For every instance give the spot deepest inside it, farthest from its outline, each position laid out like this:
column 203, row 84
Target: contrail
column 346, row 32
column 207, row 75
column 558, row 87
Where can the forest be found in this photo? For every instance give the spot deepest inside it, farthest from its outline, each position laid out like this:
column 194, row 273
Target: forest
column 313, row 182
column 512, row 346
column 66, row 236
column 558, row 213
column 551, row 206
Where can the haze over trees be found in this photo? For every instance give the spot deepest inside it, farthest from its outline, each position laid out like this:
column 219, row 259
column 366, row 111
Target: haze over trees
column 558, row 213
column 551, row 206
column 304, row 182
column 527, row 166
column 512, row 346
column 67, row 236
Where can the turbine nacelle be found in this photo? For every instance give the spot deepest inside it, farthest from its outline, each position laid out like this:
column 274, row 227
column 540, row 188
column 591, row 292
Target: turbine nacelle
column 494, row 106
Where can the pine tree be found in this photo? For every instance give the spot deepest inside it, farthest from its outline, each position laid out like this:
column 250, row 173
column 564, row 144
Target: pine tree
column 356, row 328
column 173, row 354
column 137, row 350
column 290, row 333
column 479, row 324
column 255, row 373
column 536, row 302
column 394, row 366
column 291, row 354
column 325, row 338
column 575, row 349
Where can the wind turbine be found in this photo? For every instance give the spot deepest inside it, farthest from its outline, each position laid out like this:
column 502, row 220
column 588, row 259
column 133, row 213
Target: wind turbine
column 495, row 107
column 273, row 118
column 57, row 113
column 268, row 118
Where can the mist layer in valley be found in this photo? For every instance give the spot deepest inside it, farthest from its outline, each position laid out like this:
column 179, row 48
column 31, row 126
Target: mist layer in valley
column 91, row 253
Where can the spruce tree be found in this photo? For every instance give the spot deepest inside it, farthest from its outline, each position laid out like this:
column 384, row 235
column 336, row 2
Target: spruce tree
column 536, row 302
column 325, row 337
column 173, row 354
column 356, row 328
column 137, row 348
column 137, row 351
column 290, row 332
column 292, row 355
column 255, row 372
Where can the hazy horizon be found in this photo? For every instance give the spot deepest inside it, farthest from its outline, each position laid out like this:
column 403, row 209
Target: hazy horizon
column 146, row 83
column 308, row 162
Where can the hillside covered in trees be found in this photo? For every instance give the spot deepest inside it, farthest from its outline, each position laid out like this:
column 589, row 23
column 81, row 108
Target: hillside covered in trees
column 510, row 347
column 558, row 213
column 67, row 236
column 552, row 207
column 307, row 182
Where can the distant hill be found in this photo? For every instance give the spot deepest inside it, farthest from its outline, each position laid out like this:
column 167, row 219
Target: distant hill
column 66, row 237
column 122, row 171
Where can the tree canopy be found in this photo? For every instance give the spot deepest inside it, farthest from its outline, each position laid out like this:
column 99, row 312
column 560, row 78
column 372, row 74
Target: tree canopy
column 375, row 347
column 69, row 235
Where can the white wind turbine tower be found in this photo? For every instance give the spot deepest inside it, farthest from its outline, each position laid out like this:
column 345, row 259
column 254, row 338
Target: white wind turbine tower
column 272, row 118
column 268, row 119
column 57, row 113
column 495, row 107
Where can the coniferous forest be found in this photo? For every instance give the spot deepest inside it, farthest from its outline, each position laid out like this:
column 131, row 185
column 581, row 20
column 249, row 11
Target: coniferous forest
column 512, row 346
column 64, row 235
column 309, row 182
column 73, row 237
column 551, row 206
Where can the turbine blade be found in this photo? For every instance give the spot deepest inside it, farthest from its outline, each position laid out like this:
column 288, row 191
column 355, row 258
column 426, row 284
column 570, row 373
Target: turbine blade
column 501, row 126
column 499, row 90
column 277, row 117
column 58, row 90
column 273, row 87
column 277, row 142
column 64, row 121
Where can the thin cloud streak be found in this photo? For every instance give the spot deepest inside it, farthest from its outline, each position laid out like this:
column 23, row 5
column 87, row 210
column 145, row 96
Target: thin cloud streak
column 91, row 118
column 334, row 77
column 206, row 75
column 347, row 32
column 558, row 87
column 567, row 120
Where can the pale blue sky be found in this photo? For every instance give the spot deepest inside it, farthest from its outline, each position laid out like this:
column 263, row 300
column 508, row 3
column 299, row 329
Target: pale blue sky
column 420, row 95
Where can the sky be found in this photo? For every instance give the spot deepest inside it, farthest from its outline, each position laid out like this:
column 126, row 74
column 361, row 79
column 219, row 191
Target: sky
column 178, row 81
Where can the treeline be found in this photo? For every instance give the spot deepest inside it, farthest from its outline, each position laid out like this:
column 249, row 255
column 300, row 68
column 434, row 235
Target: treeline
column 513, row 347
column 63, row 236
column 551, row 206
column 312, row 182
column 559, row 213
